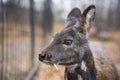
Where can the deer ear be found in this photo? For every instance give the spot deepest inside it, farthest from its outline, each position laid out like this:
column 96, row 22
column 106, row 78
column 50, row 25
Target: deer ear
column 75, row 12
column 88, row 17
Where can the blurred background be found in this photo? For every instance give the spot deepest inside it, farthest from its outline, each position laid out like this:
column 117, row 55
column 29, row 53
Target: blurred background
column 27, row 26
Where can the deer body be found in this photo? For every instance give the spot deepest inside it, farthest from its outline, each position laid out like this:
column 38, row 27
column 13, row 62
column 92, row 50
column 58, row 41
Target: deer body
column 103, row 67
column 70, row 47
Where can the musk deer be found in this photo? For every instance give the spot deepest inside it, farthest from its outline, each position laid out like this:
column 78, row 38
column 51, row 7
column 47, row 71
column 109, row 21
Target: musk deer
column 70, row 47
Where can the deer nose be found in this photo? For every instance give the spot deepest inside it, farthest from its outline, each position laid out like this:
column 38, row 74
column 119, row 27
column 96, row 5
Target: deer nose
column 42, row 56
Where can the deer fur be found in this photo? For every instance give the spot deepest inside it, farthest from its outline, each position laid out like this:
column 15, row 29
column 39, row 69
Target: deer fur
column 83, row 60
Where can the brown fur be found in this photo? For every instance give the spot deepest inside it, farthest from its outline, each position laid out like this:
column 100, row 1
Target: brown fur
column 104, row 66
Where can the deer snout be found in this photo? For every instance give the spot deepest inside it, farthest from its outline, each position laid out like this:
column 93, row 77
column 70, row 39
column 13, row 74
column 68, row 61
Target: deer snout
column 42, row 56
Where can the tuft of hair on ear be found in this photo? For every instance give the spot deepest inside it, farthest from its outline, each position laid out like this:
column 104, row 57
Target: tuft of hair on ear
column 75, row 12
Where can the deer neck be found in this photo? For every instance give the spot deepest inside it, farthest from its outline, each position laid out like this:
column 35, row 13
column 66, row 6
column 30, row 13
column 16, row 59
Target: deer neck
column 85, row 70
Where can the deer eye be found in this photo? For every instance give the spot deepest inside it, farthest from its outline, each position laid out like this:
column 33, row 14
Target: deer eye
column 68, row 42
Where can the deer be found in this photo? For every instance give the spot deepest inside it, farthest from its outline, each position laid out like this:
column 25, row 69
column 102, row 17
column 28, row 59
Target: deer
column 70, row 47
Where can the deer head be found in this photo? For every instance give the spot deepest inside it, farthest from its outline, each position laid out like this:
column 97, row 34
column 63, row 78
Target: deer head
column 70, row 44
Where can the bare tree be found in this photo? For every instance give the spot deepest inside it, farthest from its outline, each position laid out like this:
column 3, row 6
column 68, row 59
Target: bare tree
column 32, row 26
column 101, row 18
column 47, row 20
column 118, row 15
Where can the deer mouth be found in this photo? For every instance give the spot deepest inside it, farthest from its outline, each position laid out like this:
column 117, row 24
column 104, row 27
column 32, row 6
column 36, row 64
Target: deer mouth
column 50, row 61
column 50, row 64
column 47, row 62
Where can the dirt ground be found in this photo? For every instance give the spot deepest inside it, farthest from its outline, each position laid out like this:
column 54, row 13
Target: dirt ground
column 18, row 48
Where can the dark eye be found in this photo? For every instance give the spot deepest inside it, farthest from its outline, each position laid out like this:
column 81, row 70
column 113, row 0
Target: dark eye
column 67, row 42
